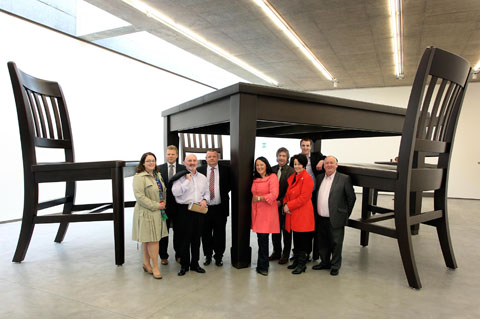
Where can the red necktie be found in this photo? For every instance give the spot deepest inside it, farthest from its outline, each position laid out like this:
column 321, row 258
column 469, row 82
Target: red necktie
column 212, row 184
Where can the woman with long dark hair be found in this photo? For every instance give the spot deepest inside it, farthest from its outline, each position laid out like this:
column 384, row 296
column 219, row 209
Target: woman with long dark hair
column 264, row 209
column 149, row 218
column 299, row 218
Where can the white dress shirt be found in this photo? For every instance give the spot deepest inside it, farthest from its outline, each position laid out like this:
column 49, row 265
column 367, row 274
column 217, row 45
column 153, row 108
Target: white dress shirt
column 323, row 194
column 192, row 190
column 216, row 200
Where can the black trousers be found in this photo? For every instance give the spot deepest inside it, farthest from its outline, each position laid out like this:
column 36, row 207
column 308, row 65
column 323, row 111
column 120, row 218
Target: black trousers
column 262, row 263
column 188, row 225
column 330, row 242
column 163, row 248
column 302, row 241
column 316, row 245
column 277, row 238
column 214, row 231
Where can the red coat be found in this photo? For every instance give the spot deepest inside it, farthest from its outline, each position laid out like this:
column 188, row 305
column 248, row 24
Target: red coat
column 265, row 213
column 299, row 201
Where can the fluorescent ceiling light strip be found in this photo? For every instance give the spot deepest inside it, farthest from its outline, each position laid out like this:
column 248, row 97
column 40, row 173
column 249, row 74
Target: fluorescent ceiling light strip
column 476, row 68
column 292, row 35
column 160, row 17
column 397, row 32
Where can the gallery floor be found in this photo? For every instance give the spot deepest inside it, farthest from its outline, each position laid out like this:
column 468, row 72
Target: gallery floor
column 79, row 279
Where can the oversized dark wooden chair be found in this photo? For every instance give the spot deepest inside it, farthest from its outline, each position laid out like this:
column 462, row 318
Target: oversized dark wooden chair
column 431, row 120
column 44, row 123
column 200, row 143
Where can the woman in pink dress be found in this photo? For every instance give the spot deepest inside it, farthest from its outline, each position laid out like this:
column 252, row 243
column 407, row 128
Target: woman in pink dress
column 264, row 209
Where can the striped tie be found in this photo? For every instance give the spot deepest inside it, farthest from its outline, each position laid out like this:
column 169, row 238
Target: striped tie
column 212, row 184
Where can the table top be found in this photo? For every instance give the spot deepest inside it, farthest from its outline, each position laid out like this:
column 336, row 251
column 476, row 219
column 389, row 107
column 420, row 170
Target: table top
column 286, row 114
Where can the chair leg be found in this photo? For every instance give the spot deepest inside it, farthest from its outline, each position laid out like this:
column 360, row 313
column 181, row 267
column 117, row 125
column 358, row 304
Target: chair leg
column 405, row 240
column 67, row 209
column 443, row 231
column 118, row 215
column 415, row 209
column 26, row 230
column 368, row 196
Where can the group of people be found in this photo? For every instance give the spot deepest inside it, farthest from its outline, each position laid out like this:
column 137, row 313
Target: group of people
column 308, row 198
column 165, row 195
column 305, row 197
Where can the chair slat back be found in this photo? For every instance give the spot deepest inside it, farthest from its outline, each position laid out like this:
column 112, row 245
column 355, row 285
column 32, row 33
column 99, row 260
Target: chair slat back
column 446, row 80
column 433, row 109
column 200, row 143
column 42, row 115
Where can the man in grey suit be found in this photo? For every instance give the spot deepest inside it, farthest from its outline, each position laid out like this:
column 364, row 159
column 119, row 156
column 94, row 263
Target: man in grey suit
column 333, row 204
column 283, row 172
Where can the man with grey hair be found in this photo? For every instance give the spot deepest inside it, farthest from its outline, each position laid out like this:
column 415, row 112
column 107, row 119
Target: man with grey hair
column 333, row 204
column 219, row 185
column 283, row 171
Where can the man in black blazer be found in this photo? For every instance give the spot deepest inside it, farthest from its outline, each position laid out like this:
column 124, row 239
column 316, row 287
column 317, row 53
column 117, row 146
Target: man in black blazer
column 333, row 204
column 168, row 170
column 283, row 171
column 314, row 168
column 214, row 227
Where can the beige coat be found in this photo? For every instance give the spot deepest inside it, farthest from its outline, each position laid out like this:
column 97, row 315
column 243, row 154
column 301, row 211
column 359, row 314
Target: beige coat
column 148, row 225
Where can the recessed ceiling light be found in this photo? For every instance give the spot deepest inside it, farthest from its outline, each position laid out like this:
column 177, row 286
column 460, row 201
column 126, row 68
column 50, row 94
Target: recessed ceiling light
column 396, row 22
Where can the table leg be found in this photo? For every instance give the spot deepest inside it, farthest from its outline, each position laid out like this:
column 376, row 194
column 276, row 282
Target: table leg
column 242, row 142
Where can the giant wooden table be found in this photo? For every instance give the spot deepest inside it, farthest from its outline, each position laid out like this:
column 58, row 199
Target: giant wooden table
column 245, row 111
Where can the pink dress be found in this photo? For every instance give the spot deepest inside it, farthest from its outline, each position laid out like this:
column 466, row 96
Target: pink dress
column 265, row 213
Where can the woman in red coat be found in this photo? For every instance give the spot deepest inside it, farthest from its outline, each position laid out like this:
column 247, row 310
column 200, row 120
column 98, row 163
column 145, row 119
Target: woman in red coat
column 297, row 204
column 264, row 209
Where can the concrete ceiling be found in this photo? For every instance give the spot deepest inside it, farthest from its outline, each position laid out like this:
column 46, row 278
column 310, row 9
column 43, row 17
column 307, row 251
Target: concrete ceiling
column 351, row 37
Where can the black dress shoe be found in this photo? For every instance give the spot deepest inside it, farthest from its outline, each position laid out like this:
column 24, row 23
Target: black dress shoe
column 274, row 256
column 219, row 263
column 262, row 272
column 208, row 261
column 334, row 272
column 321, row 266
column 198, row 269
column 182, row 271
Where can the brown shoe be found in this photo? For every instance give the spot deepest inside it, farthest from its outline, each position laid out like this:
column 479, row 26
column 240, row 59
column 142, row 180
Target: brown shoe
column 274, row 256
column 164, row 261
column 283, row 260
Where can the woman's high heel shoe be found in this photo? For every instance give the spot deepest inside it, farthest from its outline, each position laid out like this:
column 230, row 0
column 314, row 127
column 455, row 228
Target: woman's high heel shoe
column 159, row 276
column 145, row 269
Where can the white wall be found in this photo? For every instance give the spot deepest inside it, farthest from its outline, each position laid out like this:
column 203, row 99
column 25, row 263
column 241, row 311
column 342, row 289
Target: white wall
column 464, row 181
column 115, row 106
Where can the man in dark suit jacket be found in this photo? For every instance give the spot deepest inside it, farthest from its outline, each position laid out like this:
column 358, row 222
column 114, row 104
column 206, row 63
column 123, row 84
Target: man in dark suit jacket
column 285, row 172
column 168, row 170
column 214, row 227
column 314, row 168
column 333, row 204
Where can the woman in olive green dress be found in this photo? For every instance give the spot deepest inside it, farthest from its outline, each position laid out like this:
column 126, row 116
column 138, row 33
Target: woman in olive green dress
column 149, row 218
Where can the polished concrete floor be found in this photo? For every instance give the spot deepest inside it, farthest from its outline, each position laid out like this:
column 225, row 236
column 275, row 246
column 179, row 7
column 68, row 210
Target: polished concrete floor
column 78, row 279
